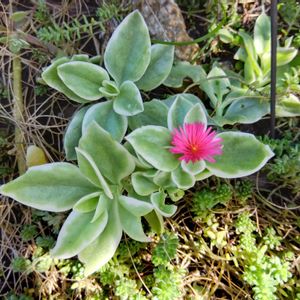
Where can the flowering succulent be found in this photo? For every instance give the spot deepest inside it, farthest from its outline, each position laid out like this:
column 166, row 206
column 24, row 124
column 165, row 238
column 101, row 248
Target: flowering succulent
column 195, row 142
column 118, row 182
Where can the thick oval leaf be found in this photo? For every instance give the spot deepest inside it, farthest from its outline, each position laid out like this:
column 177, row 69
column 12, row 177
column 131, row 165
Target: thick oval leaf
column 158, row 201
column 188, row 97
column 289, row 106
column 159, row 68
column 284, row 56
column 164, row 180
column 196, row 114
column 155, row 113
column 177, row 112
column 156, row 221
column 153, row 143
column 262, row 34
column 77, row 233
column 242, row 155
column 246, row 110
column 83, row 78
column 132, row 225
column 104, row 247
column 73, row 133
column 50, row 76
column 128, row 51
column 35, row 156
column 139, row 161
column 251, row 53
column 182, row 179
column 102, row 206
column 143, row 184
column 182, row 70
column 88, row 167
column 104, row 115
column 136, row 207
column 87, row 203
column 193, row 168
column 80, row 57
column 112, row 159
column 51, row 187
column 109, row 89
column 217, row 85
column 203, row 175
column 129, row 102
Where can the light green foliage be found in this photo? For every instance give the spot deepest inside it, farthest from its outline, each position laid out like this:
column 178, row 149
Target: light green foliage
column 167, row 283
column 285, row 169
column 270, row 238
column 42, row 14
column 243, row 190
column 165, row 250
column 28, row 232
column 264, row 271
column 61, row 34
column 214, row 231
column 115, row 185
column 130, row 61
column 290, row 12
column 232, row 163
column 45, row 242
column 206, row 198
column 20, row 264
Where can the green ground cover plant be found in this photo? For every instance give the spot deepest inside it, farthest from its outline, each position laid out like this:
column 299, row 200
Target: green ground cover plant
column 152, row 189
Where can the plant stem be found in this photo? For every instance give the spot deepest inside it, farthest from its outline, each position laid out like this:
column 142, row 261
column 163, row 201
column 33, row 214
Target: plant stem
column 18, row 110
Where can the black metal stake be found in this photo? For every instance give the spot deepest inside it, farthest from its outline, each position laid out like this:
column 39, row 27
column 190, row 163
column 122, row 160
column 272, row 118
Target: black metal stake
column 273, row 64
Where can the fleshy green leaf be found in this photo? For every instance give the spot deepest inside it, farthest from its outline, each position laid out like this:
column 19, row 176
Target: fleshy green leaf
column 262, row 34
column 203, row 175
column 104, row 115
column 51, row 187
column 73, row 133
column 136, row 207
column 156, row 222
column 182, row 70
column 77, row 233
column 284, row 56
column 80, row 57
column 87, row 203
column 83, row 78
column 152, row 143
column 112, row 159
column 132, row 225
column 142, row 182
column 163, row 179
column 129, row 102
column 88, row 167
column 104, row 247
column 251, row 53
column 182, row 179
column 193, row 168
column 155, row 113
column 246, row 110
column 196, row 114
column 289, row 106
column 109, row 89
column 50, row 76
column 102, row 206
column 159, row 68
column 188, row 97
column 158, row 201
column 177, row 112
column 218, row 84
column 128, row 51
column 242, row 155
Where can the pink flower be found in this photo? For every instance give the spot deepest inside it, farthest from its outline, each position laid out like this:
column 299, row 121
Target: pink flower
column 196, row 142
